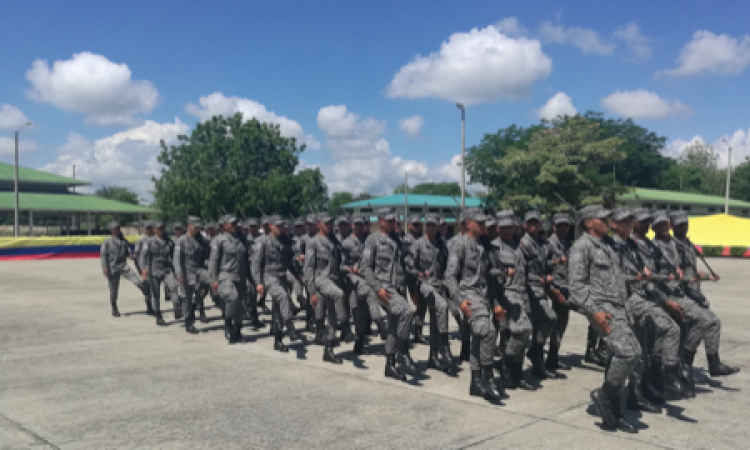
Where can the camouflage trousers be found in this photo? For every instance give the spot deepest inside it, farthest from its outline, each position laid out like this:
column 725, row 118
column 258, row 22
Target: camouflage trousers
column 113, row 281
column 170, row 287
column 517, row 322
column 400, row 316
column 433, row 298
column 331, row 296
column 623, row 348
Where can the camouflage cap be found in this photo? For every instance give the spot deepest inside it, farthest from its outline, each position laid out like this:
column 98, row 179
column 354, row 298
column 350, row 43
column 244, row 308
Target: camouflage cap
column 342, row 219
column 324, row 217
column 660, row 216
column 230, row 218
column 114, row 224
column 311, row 218
column 490, row 222
column 251, row 222
column 277, row 220
column 678, row 218
column 386, row 214
column 559, row 218
column 475, row 215
column 358, row 219
column 622, row 213
column 158, row 224
column 415, row 218
column 506, row 218
column 593, row 212
column 148, row 224
column 300, row 221
column 195, row 221
column 532, row 214
column 642, row 214
column 443, row 221
column 265, row 220
column 178, row 225
column 432, row 218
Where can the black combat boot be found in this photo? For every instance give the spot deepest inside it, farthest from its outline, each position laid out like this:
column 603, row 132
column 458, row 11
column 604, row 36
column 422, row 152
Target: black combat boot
column 160, row 320
column 602, row 398
column 465, row 342
column 403, row 351
column 190, row 328
column 229, row 332
column 391, row 370
column 329, row 356
column 623, row 424
column 293, row 336
column 263, row 308
column 653, row 379
column 636, row 400
column 491, row 392
column 309, row 318
column 360, row 345
column 346, row 332
column 476, row 388
column 685, row 371
column 320, row 330
column 592, row 356
column 115, row 311
column 518, row 375
column 553, row 363
column 445, row 348
column 203, row 317
column 419, row 332
column 382, row 328
column 536, row 356
column 434, row 361
column 674, row 388
column 255, row 320
column 149, row 308
column 717, row 369
column 278, row 344
column 509, row 378
column 177, row 305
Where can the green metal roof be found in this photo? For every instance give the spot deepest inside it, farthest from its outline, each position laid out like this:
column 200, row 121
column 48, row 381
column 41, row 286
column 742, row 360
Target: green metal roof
column 7, row 173
column 69, row 203
column 655, row 195
column 416, row 200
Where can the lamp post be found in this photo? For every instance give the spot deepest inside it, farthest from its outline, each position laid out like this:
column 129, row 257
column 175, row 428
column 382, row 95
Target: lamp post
column 16, row 227
column 729, row 175
column 463, row 154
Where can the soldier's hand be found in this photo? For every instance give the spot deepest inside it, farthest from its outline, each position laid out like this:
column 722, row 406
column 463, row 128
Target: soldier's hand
column 563, row 259
column 314, row 300
column 549, row 279
column 670, row 277
column 215, row 288
column 260, row 290
column 104, row 271
column 675, row 309
column 509, row 272
column 639, row 277
column 355, row 270
column 301, row 258
column 144, row 274
column 558, row 296
column 499, row 313
column 680, row 273
column 180, row 280
column 601, row 320
column 465, row 308
column 647, row 272
column 384, row 296
column 715, row 277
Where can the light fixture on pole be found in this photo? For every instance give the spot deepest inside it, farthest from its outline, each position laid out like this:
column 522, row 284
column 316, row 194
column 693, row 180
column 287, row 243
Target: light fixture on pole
column 729, row 175
column 16, row 226
column 463, row 154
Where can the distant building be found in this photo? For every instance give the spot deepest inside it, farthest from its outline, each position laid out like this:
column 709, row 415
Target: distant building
column 692, row 204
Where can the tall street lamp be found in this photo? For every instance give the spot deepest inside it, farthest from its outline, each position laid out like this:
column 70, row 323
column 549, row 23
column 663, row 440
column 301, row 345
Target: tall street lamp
column 463, row 154
column 16, row 227
column 729, row 175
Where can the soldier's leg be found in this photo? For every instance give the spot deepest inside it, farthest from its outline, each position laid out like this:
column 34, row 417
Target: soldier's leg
column 155, row 285
column 230, row 298
column 188, row 306
column 279, row 293
column 400, row 320
column 239, row 313
column 544, row 321
column 562, row 312
column 113, row 282
column 482, row 352
column 374, row 308
column 175, row 293
column 332, row 297
column 360, row 292
column 421, row 310
column 519, row 331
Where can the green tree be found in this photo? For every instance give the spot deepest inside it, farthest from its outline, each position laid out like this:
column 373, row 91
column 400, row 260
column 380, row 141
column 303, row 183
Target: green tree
column 338, row 200
column 431, row 189
column 120, row 194
column 566, row 159
column 704, row 159
column 241, row 166
column 741, row 182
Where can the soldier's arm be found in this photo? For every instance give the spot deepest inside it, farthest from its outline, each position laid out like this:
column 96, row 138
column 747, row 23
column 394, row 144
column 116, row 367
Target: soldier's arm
column 309, row 267
column 180, row 270
column 259, row 255
column 145, row 257
column 104, row 255
column 578, row 280
column 453, row 272
column 410, row 259
column 369, row 259
column 215, row 262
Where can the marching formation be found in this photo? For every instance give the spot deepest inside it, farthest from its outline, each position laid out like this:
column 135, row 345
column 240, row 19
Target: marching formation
column 509, row 289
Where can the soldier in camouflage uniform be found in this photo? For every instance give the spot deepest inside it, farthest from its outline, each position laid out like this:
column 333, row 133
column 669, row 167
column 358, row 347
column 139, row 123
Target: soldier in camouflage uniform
column 543, row 316
column 704, row 321
column 412, row 280
column 509, row 269
column 598, row 291
column 272, row 259
column 383, row 262
column 556, row 253
column 323, row 276
column 429, row 258
column 643, row 313
column 367, row 307
column 114, row 255
column 191, row 253
column 156, row 263
column 148, row 231
column 466, row 278
column 228, row 273
column 251, row 308
column 462, row 322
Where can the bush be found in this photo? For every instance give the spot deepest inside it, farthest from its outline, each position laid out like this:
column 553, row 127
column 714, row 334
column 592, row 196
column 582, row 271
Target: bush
column 712, row 250
column 737, row 252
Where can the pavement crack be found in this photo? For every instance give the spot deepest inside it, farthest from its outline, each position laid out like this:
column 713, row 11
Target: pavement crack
column 23, row 429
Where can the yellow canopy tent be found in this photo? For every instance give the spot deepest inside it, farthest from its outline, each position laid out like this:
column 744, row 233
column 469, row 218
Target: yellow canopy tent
column 719, row 229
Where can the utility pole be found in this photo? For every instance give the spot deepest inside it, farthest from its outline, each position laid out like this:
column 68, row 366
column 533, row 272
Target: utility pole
column 463, row 154
column 406, row 197
column 16, row 226
column 729, row 175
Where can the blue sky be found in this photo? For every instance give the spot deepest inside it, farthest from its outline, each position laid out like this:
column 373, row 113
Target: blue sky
column 103, row 82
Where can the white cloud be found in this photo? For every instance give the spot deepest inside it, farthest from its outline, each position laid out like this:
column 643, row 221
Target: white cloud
column 475, row 67
column 411, row 126
column 349, row 137
column 11, row 118
column 93, row 85
column 217, row 104
column 642, row 104
column 125, row 159
column 739, row 141
column 510, row 26
column 711, row 54
column 587, row 40
column 8, row 146
column 559, row 105
column 636, row 42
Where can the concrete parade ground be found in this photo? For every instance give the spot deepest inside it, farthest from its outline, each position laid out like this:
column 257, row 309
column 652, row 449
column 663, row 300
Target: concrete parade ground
column 74, row 377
